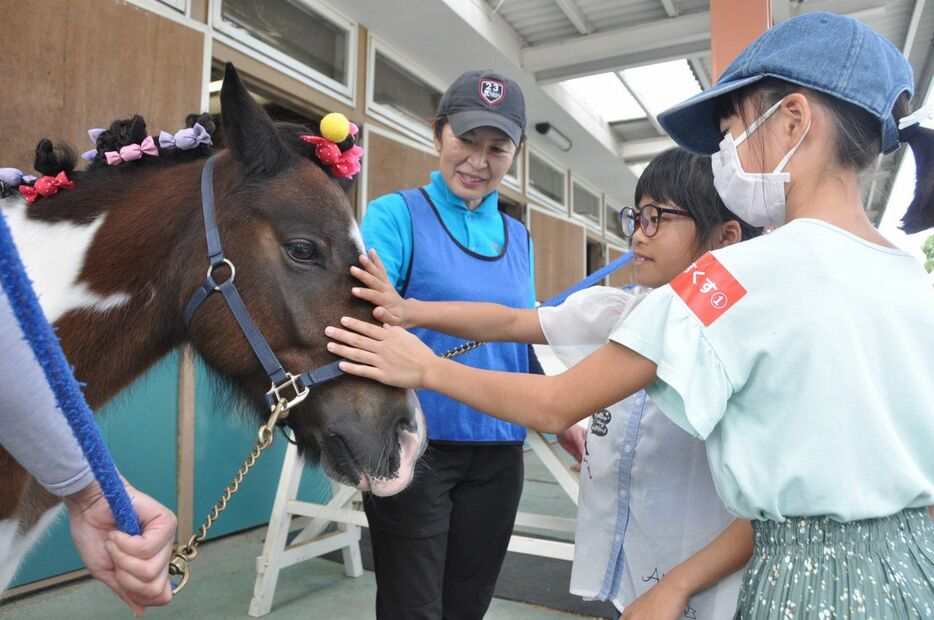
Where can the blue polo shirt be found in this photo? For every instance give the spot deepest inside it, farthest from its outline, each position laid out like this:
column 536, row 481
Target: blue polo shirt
column 387, row 226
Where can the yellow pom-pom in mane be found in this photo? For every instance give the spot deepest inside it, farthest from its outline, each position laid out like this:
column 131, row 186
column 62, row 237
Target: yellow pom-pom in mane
column 335, row 127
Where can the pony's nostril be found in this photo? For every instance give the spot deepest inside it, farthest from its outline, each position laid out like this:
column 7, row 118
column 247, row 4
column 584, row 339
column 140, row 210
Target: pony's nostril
column 407, row 424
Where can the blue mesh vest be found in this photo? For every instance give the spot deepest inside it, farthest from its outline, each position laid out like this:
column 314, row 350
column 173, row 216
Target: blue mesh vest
column 442, row 269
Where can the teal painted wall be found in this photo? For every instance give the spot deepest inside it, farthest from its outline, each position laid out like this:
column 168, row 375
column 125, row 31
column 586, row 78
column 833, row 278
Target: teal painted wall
column 222, row 441
column 140, row 427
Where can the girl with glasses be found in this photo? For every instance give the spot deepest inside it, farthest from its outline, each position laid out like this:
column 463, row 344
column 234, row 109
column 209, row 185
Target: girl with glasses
column 647, row 502
column 803, row 358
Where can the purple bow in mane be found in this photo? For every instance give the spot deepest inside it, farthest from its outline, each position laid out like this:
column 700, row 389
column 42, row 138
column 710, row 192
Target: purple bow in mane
column 132, row 152
column 93, row 134
column 185, row 139
column 13, row 177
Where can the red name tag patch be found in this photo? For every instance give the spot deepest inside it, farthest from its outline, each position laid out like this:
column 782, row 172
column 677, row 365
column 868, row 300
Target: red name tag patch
column 708, row 288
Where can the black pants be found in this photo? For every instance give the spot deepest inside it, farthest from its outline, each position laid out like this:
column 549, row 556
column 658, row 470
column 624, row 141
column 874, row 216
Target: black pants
column 438, row 546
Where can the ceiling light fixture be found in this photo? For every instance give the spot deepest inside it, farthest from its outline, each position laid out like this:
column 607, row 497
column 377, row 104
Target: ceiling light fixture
column 559, row 139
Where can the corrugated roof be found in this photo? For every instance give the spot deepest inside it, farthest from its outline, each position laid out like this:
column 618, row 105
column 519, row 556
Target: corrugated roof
column 539, row 22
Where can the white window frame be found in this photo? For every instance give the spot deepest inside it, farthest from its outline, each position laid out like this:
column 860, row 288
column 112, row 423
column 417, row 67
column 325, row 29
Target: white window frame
column 539, row 196
column 242, row 41
column 179, row 16
column 515, row 182
column 182, row 6
column 601, row 209
column 401, row 122
column 611, row 237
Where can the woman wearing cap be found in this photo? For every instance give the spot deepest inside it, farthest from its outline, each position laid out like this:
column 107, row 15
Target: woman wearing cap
column 438, row 546
column 803, row 357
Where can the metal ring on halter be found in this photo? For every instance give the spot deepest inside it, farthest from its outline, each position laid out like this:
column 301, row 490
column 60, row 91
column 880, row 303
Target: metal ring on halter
column 233, row 271
column 300, row 393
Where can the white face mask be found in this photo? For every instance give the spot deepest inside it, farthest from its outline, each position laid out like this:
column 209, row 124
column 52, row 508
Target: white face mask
column 756, row 198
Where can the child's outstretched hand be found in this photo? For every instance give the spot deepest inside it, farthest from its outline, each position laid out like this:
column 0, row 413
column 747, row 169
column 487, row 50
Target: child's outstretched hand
column 391, row 308
column 387, row 354
column 662, row 602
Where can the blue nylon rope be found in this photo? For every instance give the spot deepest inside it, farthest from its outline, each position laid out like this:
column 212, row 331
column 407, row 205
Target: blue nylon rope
column 61, row 379
column 593, row 278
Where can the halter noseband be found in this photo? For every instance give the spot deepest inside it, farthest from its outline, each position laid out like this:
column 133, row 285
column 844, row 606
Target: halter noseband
column 300, row 384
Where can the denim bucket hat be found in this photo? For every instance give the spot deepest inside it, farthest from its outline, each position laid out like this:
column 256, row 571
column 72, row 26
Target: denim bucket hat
column 832, row 54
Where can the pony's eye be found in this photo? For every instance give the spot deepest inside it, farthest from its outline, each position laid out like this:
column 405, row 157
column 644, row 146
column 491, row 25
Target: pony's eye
column 302, row 251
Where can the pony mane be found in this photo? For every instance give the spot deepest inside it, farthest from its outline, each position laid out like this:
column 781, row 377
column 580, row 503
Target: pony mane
column 52, row 159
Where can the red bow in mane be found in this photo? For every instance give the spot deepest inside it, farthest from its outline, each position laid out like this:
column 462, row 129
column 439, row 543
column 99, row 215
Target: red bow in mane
column 343, row 164
column 46, row 186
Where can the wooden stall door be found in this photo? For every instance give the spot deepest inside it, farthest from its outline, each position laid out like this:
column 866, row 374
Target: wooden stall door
column 71, row 65
column 559, row 253
column 392, row 166
column 75, row 64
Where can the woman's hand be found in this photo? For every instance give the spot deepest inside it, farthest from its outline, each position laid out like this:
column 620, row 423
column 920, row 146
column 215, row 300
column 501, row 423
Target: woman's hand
column 664, row 601
column 391, row 308
column 388, row 354
column 134, row 567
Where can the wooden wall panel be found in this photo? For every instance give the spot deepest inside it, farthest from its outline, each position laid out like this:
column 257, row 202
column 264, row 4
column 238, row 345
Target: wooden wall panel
column 559, row 253
column 625, row 274
column 75, row 64
column 392, row 166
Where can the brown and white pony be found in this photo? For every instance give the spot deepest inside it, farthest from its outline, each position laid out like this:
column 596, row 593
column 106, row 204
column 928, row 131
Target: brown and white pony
column 115, row 261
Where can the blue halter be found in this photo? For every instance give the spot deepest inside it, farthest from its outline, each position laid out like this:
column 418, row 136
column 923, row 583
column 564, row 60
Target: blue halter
column 281, row 380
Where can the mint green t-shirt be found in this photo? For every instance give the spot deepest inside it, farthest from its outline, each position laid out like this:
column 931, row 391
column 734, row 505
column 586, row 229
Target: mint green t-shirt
column 814, row 389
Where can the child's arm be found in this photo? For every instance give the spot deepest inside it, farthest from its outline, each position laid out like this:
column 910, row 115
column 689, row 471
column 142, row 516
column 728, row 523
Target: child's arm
column 729, row 552
column 550, row 404
column 469, row 320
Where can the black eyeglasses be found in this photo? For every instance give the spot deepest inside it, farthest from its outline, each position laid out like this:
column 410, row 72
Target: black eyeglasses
column 648, row 217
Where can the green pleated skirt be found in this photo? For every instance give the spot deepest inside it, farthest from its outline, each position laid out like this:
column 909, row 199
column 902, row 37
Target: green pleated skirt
column 815, row 567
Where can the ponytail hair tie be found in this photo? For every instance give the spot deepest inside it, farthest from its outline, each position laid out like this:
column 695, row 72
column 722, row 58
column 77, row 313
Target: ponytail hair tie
column 920, row 213
column 93, row 134
column 336, row 146
column 185, row 139
column 132, row 152
column 13, row 177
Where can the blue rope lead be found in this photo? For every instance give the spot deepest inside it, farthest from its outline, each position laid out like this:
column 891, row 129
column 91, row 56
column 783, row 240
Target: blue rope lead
column 590, row 280
column 61, row 379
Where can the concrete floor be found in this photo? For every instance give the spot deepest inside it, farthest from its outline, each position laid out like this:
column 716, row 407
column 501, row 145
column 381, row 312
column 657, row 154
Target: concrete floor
column 223, row 575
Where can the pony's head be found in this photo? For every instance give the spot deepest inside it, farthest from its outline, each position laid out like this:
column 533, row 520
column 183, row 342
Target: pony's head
column 287, row 226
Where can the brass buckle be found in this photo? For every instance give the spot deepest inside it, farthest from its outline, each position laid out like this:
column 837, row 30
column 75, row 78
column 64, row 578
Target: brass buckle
column 298, row 394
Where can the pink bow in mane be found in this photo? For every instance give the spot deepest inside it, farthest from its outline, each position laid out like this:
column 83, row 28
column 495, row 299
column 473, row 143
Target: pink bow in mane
column 132, row 152
column 342, row 164
column 46, row 186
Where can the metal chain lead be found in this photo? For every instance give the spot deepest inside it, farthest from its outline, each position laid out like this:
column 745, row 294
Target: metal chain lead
column 184, row 554
column 463, row 348
column 179, row 565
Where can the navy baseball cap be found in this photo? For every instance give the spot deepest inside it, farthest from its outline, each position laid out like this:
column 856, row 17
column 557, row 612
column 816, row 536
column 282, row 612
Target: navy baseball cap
column 484, row 99
column 835, row 55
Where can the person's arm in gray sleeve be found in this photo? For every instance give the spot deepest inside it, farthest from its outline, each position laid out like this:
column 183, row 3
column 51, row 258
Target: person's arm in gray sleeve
column 32, row 428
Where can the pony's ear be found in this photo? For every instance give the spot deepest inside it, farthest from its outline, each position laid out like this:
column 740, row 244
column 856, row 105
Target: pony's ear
column 248, row 130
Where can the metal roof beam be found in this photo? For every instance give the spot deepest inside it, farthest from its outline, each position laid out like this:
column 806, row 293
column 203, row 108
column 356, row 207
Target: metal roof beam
column 781, row 10
column 597, row 53
column 640, row 150
column 670, row 8
column 698, row 66
column 657, row 41
column 573, row 13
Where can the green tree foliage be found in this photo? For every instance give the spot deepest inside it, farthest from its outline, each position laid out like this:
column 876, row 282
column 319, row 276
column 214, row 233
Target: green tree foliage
column 928, row 249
